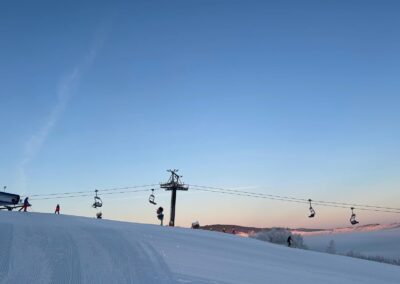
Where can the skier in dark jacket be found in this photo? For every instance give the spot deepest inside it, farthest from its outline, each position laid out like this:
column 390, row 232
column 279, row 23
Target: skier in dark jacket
column 289, row 241
column 160, row 214
column 26, row 204
column 57, row 209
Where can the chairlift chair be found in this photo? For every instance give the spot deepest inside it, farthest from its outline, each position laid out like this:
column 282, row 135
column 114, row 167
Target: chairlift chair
column 353, row 220
column 152, row 197
column 97, row 201
column 312, row 211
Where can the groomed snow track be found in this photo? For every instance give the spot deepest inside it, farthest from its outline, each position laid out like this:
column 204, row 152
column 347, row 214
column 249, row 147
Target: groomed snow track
column 47, row 248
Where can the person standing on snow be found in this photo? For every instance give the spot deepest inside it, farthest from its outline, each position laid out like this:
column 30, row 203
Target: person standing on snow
column 289, row 241
column 26, row 204
column 160, row 214
column 57, row 209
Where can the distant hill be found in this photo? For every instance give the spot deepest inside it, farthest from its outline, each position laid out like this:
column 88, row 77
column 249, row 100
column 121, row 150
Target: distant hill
column 359, row 228
column 231, row 228
column 243, row 230
column 248, row 230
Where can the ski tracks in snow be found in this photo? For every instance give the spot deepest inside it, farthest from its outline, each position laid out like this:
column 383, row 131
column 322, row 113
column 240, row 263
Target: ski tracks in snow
column 47, row 249
column 77, row 255
column 127, row 261
column 26, row 259
column 62, row 256
column 5, row 248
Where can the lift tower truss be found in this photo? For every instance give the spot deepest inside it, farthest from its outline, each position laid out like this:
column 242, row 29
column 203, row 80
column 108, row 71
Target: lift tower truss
column 174, row 184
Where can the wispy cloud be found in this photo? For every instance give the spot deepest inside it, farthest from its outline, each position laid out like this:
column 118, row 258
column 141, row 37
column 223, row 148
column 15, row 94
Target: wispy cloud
column 65, row 91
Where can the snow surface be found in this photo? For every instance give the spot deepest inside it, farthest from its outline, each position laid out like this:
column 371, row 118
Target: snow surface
column 46, row 248
column 384, row 242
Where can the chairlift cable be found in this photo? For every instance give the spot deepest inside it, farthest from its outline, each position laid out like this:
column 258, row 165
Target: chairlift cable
column 249, row 192
column 122, row 190
column 255, row 195
column 100, row 190
column 85, row 195
column 320, row 202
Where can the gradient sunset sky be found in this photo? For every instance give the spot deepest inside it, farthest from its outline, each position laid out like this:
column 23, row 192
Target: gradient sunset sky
column 298, row 98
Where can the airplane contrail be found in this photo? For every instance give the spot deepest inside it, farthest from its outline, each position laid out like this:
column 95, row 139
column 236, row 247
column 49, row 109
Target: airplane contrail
column 65, row 91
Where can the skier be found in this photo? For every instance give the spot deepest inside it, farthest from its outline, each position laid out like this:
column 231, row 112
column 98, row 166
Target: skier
column 57, row 209
column 26, row 204
column 289, row 241
column 160, row 214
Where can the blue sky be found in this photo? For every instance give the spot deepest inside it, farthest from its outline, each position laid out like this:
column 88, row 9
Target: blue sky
column 298, row 98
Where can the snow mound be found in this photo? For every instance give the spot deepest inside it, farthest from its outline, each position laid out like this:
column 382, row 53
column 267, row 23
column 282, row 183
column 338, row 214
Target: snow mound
column 46, row 248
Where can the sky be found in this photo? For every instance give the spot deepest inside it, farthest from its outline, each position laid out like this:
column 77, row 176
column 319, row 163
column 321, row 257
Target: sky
column 294, row 98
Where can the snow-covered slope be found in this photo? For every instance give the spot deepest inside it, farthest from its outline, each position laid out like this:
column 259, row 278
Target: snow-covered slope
column 44, row 248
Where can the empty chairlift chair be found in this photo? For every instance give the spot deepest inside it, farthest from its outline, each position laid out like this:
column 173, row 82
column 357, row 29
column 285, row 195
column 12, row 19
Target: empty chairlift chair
column 312, row 211
column 353, row 220
column 152, row 197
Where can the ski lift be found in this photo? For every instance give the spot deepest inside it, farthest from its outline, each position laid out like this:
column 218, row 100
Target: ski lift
column 152, row 197
column 97, row 201
column 353, row 220
column 312, row 211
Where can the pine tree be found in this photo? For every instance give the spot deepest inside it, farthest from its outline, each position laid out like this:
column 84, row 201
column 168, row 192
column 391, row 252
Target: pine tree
column 331, row 248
